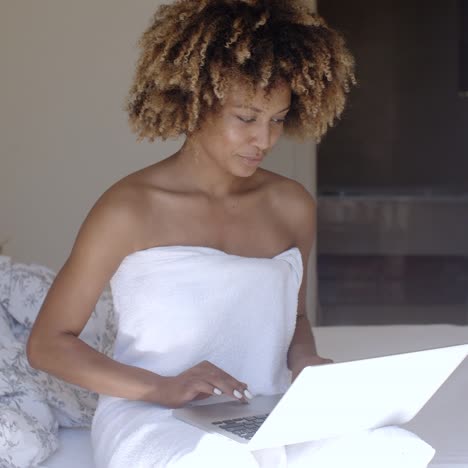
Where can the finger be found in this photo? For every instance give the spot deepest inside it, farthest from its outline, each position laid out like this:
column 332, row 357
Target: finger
column 247, row 394
column 202, row 387
column 227, row 385
column 224, row 382
column 214, row 390
column 238, row 390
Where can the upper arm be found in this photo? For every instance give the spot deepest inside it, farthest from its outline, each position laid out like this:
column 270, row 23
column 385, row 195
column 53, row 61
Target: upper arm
column 104, row 239
column 300, row 214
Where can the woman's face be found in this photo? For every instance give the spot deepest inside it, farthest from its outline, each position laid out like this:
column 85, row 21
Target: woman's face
column 240, row 134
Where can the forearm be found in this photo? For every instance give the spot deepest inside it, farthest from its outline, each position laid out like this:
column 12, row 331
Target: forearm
column 303, row 342
column 70, row 359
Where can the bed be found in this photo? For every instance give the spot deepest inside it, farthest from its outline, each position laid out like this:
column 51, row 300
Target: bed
column 443, row 422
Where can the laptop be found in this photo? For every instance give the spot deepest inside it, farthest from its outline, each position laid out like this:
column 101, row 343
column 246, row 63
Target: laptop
column 332, row 400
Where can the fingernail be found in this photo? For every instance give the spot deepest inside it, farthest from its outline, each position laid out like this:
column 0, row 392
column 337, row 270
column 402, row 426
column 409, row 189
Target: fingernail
column 217, row 391
column 248, row 394
column 237, row 394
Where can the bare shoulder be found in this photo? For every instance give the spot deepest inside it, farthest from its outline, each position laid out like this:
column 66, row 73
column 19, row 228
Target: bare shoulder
column 127, row 198
column 293, row 205
column 289, row 197
column 116, row 222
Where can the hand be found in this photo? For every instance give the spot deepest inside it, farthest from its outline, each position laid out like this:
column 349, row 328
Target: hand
column 309, row 360
column 199, row 382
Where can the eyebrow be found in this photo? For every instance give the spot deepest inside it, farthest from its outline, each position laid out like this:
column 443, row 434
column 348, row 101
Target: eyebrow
column 255, row 109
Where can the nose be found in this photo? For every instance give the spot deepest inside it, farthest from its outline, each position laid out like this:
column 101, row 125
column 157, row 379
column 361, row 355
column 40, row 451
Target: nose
column 262, row 137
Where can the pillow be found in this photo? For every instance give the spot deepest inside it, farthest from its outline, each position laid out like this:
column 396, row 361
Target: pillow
column 24, row 441
column 6, row 335
column 29, row 286
column 28, row 428
column 73, row 406
column 5, row 279
column 28, row 289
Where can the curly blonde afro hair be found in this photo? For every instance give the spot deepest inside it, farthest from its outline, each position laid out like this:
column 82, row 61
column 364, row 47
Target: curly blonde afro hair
column 194, row 49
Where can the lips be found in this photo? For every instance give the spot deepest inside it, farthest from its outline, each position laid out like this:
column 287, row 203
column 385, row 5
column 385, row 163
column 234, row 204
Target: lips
column 251, row 161
column 252, row 155
column 254, row 158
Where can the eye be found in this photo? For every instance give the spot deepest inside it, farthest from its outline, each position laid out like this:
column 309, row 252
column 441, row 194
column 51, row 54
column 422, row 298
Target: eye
column 246, row 119
column 279, row 121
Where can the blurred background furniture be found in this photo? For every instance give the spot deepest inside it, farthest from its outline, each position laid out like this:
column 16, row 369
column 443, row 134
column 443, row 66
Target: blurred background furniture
column 392, row 257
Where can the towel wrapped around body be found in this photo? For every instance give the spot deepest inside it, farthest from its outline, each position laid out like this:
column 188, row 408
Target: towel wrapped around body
column 177, row 306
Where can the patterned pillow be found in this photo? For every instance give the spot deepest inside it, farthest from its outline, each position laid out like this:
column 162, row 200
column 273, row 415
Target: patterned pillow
column 24, row 440
column 6, row 334
column 73, row 406
column 28, row 288
column 28, row 428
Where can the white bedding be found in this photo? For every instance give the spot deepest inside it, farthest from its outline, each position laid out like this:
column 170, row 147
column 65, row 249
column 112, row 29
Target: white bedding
column 443, row 422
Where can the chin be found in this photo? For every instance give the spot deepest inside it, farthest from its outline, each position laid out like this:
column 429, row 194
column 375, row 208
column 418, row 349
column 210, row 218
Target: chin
column 245, row 171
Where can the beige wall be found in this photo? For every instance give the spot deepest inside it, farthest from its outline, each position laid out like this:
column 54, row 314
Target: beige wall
column 66, row 68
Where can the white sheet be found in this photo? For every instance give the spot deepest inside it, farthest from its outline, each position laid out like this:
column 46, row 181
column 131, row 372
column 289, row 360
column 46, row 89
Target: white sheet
column 443, row 422
column 75, row 450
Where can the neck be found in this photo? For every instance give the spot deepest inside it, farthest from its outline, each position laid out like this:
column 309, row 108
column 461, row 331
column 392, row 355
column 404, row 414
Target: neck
column 205, row 176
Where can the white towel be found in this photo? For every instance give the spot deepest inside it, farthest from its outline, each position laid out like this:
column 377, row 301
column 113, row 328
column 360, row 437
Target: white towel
column 178, row 306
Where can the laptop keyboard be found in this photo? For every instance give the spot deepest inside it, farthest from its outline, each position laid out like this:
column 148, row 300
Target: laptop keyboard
column 242, row 427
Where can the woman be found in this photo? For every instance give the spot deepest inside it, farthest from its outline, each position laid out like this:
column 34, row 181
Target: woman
column 204, row 250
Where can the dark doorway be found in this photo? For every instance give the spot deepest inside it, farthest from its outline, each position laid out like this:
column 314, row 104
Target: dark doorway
column 393, row 174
